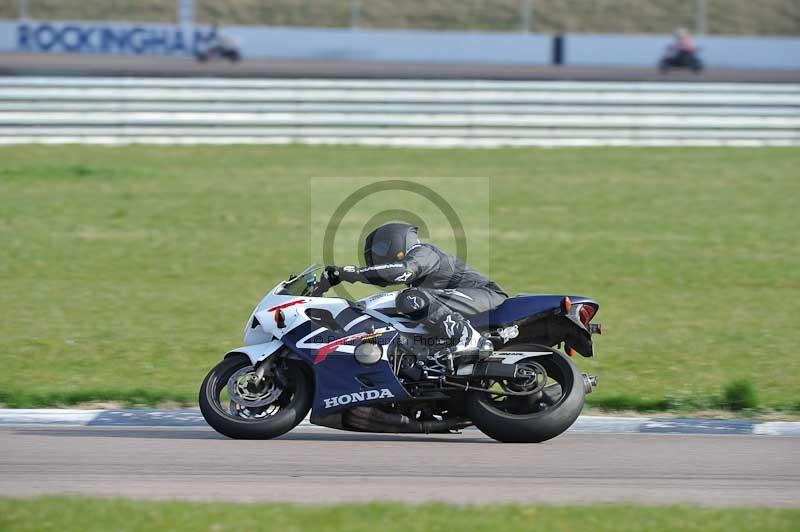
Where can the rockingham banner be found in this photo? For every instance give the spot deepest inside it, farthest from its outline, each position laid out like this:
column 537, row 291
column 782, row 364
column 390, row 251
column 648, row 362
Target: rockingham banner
column 411, row 46
column 259, row 42
column 103, row 38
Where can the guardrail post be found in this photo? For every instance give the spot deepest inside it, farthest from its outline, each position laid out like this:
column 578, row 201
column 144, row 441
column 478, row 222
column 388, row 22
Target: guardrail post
column 355, row 13
column 525, row 16
column 22, row 10
column 185, row 13
column 700, row 17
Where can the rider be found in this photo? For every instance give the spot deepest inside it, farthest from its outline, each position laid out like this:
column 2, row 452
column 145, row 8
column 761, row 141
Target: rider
column 683, row 47
column 441, row 291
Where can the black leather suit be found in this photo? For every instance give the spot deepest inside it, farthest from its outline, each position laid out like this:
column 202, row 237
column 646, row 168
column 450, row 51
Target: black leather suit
column 439, row 284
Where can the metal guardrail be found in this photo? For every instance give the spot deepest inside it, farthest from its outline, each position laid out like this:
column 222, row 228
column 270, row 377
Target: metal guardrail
column 395, row 112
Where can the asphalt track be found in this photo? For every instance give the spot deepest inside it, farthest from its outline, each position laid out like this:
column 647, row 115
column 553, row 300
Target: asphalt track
column 99, row 65
column 311, row 465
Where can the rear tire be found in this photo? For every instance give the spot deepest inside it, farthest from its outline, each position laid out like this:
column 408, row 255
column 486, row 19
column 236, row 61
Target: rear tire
column 298, row 399
column 536, row 426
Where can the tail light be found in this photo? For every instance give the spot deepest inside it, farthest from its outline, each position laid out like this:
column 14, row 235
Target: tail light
column 586, row 313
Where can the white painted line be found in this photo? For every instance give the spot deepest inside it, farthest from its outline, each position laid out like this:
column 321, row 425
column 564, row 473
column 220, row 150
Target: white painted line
column 422, row 142
column 778, row 428
column 601, row 424
column 46, row 416
column 193, row 419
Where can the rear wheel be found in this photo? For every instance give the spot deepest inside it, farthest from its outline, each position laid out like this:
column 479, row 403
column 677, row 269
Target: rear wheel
column 542, row 415
column 235, row 403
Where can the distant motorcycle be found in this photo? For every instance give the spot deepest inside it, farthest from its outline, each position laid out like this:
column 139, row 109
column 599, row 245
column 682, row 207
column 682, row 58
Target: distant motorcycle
column 680, row 59
column 364, row 367
column 219, row 47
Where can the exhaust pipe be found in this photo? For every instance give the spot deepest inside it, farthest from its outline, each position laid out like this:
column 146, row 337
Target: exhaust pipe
column 589, row 383
column 370, row 419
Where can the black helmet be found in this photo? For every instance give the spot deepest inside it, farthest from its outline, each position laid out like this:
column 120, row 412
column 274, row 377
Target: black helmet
column 389, row 243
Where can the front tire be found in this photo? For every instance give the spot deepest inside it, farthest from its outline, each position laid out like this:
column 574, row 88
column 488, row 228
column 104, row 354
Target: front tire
column 538, row 418
column 271, row 421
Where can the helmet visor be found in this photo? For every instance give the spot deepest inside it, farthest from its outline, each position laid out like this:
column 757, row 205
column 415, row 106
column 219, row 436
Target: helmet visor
column 380, row 250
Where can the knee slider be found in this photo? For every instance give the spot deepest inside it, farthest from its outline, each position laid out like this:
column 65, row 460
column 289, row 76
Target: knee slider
column 413, row 303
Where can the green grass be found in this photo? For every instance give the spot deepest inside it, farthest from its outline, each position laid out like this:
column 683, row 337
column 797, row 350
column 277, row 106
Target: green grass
column 766, row 17
column 65, row 514
column 125, row 273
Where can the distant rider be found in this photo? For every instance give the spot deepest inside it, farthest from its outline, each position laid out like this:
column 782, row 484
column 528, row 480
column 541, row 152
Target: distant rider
column 682, row 49
column 442, row 290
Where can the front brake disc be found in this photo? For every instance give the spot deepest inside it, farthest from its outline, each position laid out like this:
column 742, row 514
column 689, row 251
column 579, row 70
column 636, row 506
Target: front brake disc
column 245, row 391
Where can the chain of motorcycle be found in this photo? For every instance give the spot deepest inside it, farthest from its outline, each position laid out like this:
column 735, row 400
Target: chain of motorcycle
column 468, row 387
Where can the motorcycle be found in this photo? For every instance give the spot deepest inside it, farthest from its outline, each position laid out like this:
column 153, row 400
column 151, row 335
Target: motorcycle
column 681, row 59
column 218, row 48
column 362, row 366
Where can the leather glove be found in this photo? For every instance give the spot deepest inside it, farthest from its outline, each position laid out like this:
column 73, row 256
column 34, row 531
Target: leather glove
column 333, row 274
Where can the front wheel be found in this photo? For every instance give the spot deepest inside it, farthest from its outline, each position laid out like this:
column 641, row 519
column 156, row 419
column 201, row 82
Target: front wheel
column 235, row 403
column 530, row 418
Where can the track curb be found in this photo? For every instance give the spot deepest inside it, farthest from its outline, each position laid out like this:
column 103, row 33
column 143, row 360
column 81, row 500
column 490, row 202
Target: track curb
column 586, row 424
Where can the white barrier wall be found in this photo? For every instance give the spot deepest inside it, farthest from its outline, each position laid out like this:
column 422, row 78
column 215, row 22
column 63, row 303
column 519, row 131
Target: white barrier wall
column 345, row 44
column 8, row 36
column 278, row 43
column 761, row 52
column 716, row 51
column 393, row 45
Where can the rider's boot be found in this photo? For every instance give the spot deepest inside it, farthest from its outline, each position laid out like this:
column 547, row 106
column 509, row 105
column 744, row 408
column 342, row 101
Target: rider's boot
column 464, row 340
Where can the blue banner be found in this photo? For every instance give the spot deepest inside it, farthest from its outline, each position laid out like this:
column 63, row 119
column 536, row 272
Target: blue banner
column 101, row 38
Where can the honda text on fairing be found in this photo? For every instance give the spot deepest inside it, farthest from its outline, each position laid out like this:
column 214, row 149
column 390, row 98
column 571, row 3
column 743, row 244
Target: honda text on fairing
column 362, row 366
